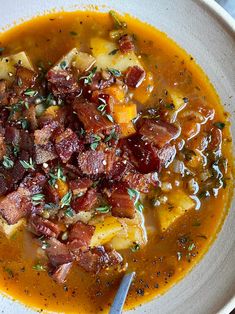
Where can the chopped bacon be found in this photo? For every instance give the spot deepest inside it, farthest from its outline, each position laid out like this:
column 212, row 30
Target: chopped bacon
column 100, row 82
column 58, row 253
column 134, row 76
column 93, row 120
column 3, row 93
column 60, row 273
column 143, row 155
column 215, row 139
column 42, row 137
column 80, row 236
column 119, row 169
column 27, row 79
column 126, row 43
column 45, row 153
column 121, row 202
column 80, row 185
column 15, row 206
column 12, row 135
column 51, row 194
column 96, row 259
column 85, row 202
column 166, row 155
column 66, row 144
column 43, row 227
column 94, row 162
column 141, row 182
column 158, row 132
column 63, row 83
column 34, row 184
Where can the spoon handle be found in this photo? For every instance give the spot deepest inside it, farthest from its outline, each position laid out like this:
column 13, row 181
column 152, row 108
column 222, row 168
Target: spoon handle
column 122, row 292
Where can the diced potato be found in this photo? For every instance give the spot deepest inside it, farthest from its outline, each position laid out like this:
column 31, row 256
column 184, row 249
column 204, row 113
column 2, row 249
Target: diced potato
column 7, row 65
column 124, row 113
column 143, row 92
column 80, row 60
column 121, row 233
column 127, row 129
column 133, row 232
column 177, row 205
column 10, row 230
column 101, row 50
column 62, row 187
column 105, row 230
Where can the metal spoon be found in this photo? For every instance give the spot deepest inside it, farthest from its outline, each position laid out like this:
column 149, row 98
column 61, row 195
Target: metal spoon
column 122, row 292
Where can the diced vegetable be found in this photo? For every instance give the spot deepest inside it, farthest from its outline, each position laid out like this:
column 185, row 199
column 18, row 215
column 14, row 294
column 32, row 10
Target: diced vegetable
column 102, row 51
column 177, row 205
column 124, row 113
column 117, row 92
column 105, row 230
column 133, row 233
column 7, row 65
column 127, row 129
column 10, row 230
column 143, row 92
column 52, row 111
column 62, row 188
column 178, row 100
column 80, row 60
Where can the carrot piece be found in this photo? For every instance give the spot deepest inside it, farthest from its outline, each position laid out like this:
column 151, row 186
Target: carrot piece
column 117, row 92
column 52, row 110
column 143, row 92
column 127, row 129
column 62, row 188
column 124, row 113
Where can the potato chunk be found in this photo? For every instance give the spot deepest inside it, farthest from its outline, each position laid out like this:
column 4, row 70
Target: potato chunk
column 101, row 50
column 121, row 233
column 80, row 60
column 178, row 204
column 9, row 230
column 7, row 65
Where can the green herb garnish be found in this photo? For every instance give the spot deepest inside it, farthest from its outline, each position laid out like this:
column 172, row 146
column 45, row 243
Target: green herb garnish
column 66, row 199
column 88, row 79
column 24, row 124
column 7, row 162
column 63, row 65
column 219, row 125
column 28, row 165
column 115, row 72
column 103, row 209
column 191, row 247
column 112, row 135
column 30, row 92
column 135, row 195
column 135, row 248
column 37, row 198
column 58, row 176
column 69, row 212
column 109, row 117
column 39, row 267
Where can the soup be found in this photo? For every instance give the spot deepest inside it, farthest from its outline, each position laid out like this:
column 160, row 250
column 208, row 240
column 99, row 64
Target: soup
column 116, row 156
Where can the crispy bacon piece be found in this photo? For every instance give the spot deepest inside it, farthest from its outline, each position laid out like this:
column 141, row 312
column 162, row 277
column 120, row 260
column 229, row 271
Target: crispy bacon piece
column 51, row 194
column 93, row 120
column 63, row 83
column 158, row 132
column 143, row 155
column 126, row 43
column 43, row 227
column 58, row 253
column 42, row 137
column 119, row 169
column 96, row 259
column 45, row 153
column 215, row 139
column 12, row 135
column 134, row 76
column 80, row 185
column 66, row 144
column 27, row 79
column 86, row 202
column 34, row 184
column 15, row 206
column 100, row 82
column 60, row 273
column 122, row 204
column 3, row 93
column 166, row 155
column 141, row 182
column 92, row 162
column 80, row 236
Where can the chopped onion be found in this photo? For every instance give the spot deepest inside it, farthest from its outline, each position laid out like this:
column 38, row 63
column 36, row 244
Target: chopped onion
column 178, row 166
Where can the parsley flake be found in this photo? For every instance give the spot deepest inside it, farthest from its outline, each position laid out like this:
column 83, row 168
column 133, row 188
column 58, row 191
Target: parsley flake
column 88, row 79
column 103, row 209
column 28, row 165
column 7, row 162
column 66, row 199
column 30, row 92
column 115, row 72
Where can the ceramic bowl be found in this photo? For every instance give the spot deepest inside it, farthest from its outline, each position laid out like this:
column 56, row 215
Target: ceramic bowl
column 207, row 32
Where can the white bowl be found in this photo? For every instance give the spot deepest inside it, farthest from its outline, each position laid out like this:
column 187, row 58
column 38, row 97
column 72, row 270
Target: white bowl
column 207, row 32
